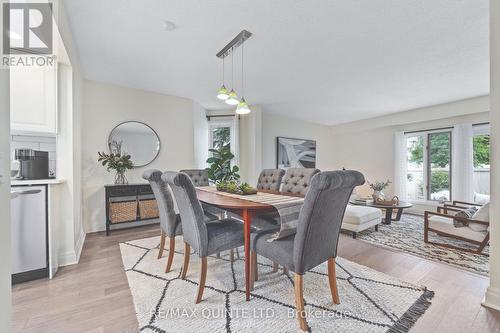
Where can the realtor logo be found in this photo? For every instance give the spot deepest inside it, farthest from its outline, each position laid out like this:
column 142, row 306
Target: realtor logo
column 27, row 28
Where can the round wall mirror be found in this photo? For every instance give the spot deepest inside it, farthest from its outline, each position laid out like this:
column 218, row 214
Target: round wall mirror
column 136, row 139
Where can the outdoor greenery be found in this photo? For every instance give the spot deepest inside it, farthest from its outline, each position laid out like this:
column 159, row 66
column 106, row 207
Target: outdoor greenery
column 221, row 137
column 440, row 151
column 439, row 181
column 481, row 146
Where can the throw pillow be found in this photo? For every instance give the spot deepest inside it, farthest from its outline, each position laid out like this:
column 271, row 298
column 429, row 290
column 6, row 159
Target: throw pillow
column 465, row 213
column 482, row 214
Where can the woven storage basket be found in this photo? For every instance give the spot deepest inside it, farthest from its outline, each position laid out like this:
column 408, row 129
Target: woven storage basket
column 148, row 209
column 125, row 211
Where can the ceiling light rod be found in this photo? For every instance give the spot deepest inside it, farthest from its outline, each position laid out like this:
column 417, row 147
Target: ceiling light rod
column 237, row 41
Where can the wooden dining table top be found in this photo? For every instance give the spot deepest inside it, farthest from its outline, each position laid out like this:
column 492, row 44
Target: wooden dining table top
column 227, row 202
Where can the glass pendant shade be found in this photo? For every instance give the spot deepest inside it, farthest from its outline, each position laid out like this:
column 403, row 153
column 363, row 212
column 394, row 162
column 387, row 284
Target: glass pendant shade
column 233, row 98
column 242, row 107
column 222, row 93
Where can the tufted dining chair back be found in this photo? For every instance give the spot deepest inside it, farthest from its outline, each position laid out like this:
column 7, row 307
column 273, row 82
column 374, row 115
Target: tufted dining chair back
column 298, row 180
column 199, row 177
column 270, row 179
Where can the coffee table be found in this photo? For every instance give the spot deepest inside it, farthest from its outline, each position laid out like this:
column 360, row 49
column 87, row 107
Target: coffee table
column 388, row 209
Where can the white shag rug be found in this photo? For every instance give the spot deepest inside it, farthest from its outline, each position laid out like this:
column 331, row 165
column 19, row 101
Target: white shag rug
column 370, row 301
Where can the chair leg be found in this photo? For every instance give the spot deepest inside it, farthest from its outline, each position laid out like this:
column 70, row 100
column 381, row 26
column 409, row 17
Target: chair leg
column 231, row 255
column 332, row 279
column 299, row 301
column 203, row 276
column 162, row 244
column 255, row 267
column 275, row 267
column 185, row 266
column 171, row 252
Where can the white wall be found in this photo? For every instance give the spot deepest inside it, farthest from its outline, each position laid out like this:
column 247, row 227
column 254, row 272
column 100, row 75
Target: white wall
column 5, row 290
column 251, row 145
column 275, row 125
column 200, row 131
column 492, row 297
column 105, row 106
column 69, row 143
column 368, row 145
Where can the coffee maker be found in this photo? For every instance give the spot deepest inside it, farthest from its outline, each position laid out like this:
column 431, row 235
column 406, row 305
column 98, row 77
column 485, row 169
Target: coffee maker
column 33, row 164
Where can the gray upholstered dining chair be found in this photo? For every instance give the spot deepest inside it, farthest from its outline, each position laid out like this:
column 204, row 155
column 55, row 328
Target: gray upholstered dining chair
column 205, row 238
column 199, row 177
column 297, row 180
column 170, row 222
column 270, row 179
column 317, row 234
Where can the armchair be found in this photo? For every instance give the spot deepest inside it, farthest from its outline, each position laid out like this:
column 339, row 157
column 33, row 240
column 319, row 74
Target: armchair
column 441, row 222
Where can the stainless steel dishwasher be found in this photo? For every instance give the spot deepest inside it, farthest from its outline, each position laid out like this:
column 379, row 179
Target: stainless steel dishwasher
column 29, row 233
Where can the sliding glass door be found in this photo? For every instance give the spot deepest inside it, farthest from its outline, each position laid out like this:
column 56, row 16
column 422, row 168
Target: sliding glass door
column 439, row 166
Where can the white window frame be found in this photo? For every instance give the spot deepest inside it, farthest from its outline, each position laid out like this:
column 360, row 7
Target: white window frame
column 426, row 164
column 231, row 122
column 482, row 129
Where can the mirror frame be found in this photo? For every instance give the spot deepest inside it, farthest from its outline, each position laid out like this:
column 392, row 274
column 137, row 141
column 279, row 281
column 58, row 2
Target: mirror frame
column 139, row 122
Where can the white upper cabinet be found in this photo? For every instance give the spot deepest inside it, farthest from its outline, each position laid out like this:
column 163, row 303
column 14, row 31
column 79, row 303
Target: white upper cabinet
column 33, row 100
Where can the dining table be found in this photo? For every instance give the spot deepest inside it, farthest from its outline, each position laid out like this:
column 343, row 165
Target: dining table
column 244, row 208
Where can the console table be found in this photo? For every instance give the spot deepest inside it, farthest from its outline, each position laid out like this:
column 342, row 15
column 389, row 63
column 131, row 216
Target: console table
column 129, row 206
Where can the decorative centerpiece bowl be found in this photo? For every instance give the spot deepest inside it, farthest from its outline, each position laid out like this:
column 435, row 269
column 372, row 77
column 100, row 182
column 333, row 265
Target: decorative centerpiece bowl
column 235, row 188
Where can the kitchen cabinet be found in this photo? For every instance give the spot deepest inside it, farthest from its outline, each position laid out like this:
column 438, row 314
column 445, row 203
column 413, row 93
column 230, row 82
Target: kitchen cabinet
column 33, row 100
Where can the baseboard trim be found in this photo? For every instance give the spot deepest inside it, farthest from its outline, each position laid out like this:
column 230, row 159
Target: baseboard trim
column 492, row 298
column 79, row 245
column 73, row 257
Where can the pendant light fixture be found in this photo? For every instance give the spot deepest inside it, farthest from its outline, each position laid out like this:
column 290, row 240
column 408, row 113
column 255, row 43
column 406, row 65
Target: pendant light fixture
column 223, row 93
column 232, row 98
column 242, row 107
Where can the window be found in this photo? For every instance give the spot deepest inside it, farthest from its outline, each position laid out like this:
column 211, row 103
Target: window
column 429, row 166
column 481, row 151
column 223, row 132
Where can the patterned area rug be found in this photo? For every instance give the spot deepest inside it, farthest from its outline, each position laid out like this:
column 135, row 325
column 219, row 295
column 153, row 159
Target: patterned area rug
column 370, row 301
column 407, row 235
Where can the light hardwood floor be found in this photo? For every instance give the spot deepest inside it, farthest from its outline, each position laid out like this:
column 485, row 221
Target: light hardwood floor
column 93, row 296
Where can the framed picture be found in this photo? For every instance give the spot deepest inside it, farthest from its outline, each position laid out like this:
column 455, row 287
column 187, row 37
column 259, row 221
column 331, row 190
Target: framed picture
column 295, row 153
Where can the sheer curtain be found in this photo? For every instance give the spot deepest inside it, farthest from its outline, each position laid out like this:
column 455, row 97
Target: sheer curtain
column 400, row 166
column 462, row 167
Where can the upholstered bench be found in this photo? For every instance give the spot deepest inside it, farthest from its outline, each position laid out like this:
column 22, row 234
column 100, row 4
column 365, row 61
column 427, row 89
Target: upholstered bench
column 359, row 218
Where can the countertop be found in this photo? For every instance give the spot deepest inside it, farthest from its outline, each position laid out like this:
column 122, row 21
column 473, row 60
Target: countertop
column 53, row 181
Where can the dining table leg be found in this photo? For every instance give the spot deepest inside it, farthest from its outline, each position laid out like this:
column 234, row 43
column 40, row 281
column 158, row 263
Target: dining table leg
column 247, row 219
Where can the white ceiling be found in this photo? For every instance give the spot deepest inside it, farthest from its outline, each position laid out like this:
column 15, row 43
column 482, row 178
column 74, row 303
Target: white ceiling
column 324, row 61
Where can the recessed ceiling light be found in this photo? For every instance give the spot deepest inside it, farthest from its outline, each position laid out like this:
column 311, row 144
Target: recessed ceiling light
column 169, row 25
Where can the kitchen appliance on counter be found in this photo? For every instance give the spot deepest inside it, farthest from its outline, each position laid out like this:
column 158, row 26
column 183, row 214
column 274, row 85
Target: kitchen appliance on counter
column 29, row 233
column 33, row 164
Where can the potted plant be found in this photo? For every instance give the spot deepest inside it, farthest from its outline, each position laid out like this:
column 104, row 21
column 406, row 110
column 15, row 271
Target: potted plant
column 118, row 162
column 220, row 171
column 377, row 188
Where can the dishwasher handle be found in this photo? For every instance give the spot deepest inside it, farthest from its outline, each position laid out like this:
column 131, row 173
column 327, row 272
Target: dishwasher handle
column 15, row 194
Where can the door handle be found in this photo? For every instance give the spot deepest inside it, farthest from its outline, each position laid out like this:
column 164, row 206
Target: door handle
column 18, row 193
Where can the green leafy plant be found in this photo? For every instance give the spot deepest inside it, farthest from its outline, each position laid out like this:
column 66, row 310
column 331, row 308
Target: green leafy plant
column 379, row 186
column 232, row 187
column 245, row 188
column 221, row 185
column 117, row 162
column 220, row 165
